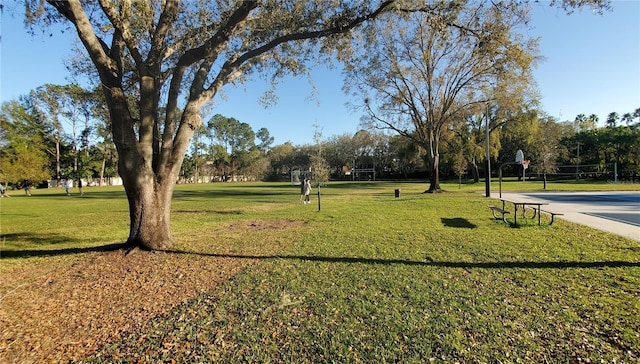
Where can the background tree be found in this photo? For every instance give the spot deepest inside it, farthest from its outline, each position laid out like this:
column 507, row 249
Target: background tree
column 460, row 166
column 582, row 122
column 319, row 167
column 518, row 135
column 265, row 140
column 467, row 134
column 77, row 105
column 339, row 154
column 546, row 148
column 46, row 99
column 427, row 69
column 198, row 146
column 221, row 160
column 627, row 118
column 79, row 110
column 405, row 155
column 236, row 138
column 281, row 161
column 106, row 152
column 364, row 148
column 23, row 146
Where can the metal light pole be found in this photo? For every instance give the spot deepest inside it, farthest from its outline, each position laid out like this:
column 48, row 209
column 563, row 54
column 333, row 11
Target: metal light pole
column 578, row 164
column 487, row 163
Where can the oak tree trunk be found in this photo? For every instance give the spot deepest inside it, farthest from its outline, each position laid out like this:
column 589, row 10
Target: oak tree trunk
column 149, row 214
column 149, row 206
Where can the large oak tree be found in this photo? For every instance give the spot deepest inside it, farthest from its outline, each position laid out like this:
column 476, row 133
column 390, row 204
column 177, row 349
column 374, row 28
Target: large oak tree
column 160, row 62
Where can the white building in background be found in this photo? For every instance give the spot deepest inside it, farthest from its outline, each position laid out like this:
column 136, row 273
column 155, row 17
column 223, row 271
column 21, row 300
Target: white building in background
column 112, row 181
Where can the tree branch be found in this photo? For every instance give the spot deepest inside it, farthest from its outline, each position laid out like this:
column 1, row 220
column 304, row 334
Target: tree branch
column 208, row 51
column 337, row 29
column 167, row 18
column 123, row 26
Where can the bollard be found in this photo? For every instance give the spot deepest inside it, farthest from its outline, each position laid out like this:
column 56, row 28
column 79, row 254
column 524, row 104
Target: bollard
column 397, row 192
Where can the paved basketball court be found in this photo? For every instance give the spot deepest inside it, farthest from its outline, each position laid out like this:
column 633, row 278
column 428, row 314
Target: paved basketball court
column 614, row 212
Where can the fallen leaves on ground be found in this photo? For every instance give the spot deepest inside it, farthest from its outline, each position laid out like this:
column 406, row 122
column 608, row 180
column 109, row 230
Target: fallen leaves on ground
column 67, row 312
column 63, row 308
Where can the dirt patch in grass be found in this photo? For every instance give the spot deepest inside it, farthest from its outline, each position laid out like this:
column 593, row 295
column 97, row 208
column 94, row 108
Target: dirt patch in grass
column 63, row 308
column 258, row 225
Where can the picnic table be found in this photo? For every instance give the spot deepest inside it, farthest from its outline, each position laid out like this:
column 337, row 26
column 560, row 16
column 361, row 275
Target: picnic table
column 523, row 204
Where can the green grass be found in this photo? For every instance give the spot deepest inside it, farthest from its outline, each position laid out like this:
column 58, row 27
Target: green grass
column 369, row 278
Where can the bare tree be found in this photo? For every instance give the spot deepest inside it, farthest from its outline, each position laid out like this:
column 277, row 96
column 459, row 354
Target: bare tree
column 428, row 69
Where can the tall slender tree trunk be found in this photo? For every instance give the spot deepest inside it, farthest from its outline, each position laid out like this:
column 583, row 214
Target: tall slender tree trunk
column 433, row 154
column 434, row 178
column 58, row 160
column 102, row 168
column 474, row 171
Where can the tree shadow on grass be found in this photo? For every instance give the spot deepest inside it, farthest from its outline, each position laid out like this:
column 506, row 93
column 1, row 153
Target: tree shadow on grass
column 428, row 262
column 458, row 222
column 37, row 239
column 55, row 252
column 217, row 212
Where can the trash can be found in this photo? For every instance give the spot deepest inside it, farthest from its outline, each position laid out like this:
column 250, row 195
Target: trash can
column 397, row 192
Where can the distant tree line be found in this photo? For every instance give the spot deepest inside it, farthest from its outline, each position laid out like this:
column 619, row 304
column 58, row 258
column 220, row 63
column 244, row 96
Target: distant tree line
column 60, row 132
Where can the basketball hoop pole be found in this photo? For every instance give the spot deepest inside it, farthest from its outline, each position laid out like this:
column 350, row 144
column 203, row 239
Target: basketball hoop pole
column 487, row 163
column 525, row 166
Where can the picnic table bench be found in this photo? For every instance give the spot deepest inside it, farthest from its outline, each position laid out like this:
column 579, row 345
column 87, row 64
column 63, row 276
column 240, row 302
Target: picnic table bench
column 553, row 215
column 496, row 210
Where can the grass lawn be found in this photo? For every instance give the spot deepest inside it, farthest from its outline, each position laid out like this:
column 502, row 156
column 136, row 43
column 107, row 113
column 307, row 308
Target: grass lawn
column 256, row 276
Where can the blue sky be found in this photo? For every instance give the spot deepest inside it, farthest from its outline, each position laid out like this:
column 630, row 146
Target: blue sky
column 592, row 66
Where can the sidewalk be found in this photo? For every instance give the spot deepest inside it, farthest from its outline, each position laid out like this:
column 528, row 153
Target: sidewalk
column 614, row 212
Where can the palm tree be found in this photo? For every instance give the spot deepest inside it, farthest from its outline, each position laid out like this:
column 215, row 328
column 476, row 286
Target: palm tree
column 612, row 119
column 627, row 118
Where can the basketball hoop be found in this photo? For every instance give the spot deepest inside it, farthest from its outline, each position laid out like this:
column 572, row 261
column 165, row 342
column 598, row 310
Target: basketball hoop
column 525, row 164
column 519, row 157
